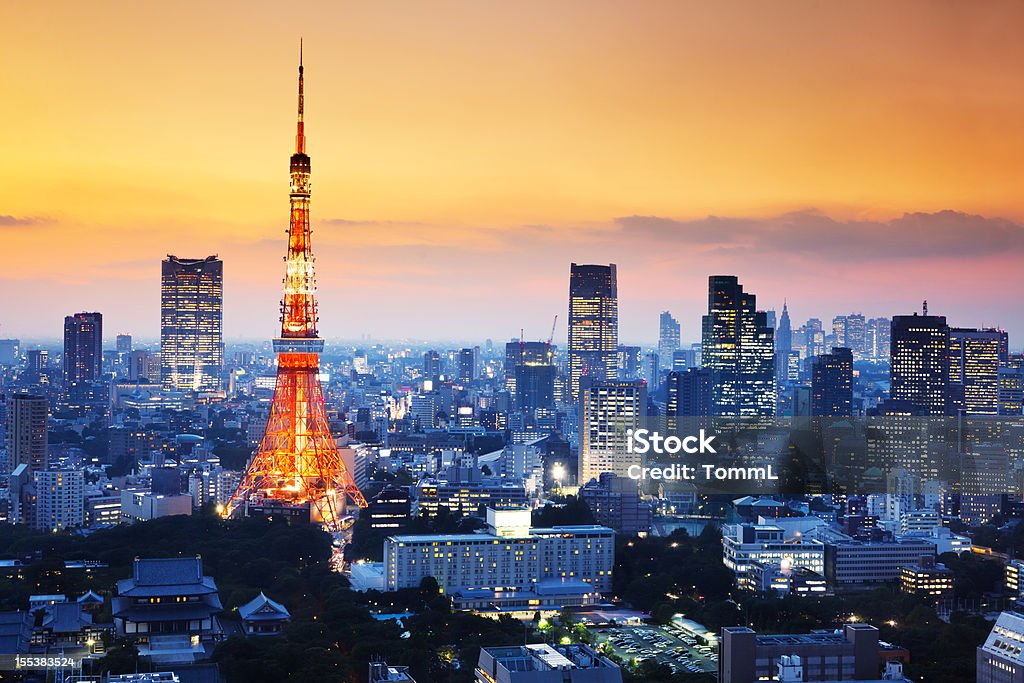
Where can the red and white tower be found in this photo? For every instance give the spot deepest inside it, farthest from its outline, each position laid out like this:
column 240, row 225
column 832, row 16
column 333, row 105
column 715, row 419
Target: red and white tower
column 298, row 463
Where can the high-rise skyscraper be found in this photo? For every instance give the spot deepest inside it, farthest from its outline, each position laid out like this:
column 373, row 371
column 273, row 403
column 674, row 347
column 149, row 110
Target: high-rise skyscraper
column 668, row 339
column 609, row 410
column 124, row 343
column 467, row 364
column 813, row 338
column 919, row 362
column 191, row 323
column 876, row 341
column 593, row 324
column 974, row 370
column 849, row 331
column 832, row 384
column 856, row 331
column 739, row 349
column 26, row 432
column 83, row 347
column 432, row 365
column 783, row 343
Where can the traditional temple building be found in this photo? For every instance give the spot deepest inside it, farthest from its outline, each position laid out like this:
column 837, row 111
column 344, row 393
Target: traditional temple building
column 169, row 609
column 261, row 616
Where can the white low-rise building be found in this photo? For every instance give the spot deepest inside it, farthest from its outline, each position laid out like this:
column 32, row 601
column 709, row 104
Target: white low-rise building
column 770, row 545
column 141, row 506
column 511, row 558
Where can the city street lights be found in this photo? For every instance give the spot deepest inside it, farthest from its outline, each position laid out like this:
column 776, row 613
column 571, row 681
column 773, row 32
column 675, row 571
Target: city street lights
column 558, row 474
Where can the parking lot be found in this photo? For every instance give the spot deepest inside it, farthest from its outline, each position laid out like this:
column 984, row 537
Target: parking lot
column 668, row 645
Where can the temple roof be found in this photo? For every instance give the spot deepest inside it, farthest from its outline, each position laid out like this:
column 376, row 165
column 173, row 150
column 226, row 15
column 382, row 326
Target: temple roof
column 167, row 576
column 262, row 608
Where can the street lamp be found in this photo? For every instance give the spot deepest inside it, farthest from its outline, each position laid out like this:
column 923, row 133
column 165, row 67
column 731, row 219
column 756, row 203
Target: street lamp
column 558, row 474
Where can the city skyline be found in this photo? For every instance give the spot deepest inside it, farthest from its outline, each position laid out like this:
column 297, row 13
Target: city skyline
column 617, row 342
column 533, row 158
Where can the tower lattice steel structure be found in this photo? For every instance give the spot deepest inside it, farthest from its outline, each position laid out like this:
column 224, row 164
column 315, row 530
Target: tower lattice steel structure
column 298, row 461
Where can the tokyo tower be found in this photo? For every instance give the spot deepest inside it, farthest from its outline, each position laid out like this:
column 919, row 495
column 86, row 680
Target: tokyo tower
column 298, row 463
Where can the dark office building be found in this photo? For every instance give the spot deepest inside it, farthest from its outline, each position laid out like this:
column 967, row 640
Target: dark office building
column 165, row 481
column 37, row 366
column 689, row 395
column 616, row 503
column 535, row 386
column 850, row 655
column 832, row 384
column 466, row 362
column 530, row 374
column 83, row 347
column 593, row 325
column 432, row 365
column 390, row 509
column 739, row 349
column 919, row 362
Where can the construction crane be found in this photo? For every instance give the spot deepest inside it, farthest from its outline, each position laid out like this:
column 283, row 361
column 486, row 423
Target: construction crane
column 551, row 337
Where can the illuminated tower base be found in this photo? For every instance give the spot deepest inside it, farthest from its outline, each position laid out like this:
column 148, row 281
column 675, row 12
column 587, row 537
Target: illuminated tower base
column 298, row 461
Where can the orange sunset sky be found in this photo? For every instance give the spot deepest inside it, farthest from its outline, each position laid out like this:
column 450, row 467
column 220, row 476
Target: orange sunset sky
column 847, row 156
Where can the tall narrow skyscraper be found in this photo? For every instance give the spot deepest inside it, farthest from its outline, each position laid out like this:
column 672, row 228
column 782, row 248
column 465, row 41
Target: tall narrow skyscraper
column 191, row 320
column 432, row 365
column 26, row 440
column 466, row 364
column 668, row 340
column 609, row 409
column 593, row 324
column 876, row 341
column 83, row 347
column 739, row 349
column 783, row 344
column 832, row 384
column 919, row 362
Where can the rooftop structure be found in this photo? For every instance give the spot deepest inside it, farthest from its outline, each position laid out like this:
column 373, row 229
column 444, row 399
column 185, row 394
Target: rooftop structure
column 543, row 663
